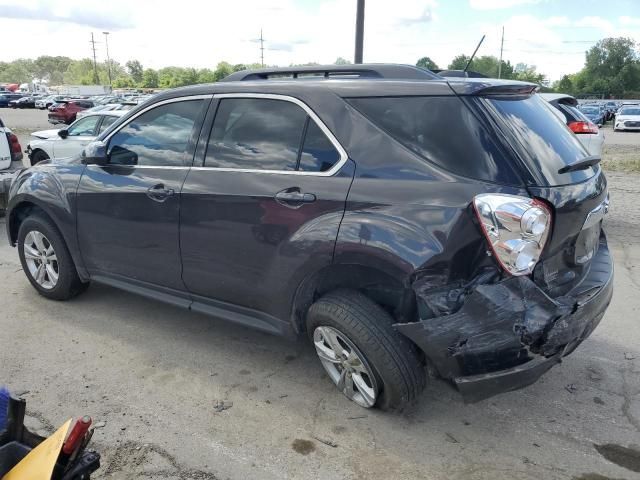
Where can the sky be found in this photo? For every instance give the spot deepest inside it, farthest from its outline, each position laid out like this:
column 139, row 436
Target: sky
column 553, row 35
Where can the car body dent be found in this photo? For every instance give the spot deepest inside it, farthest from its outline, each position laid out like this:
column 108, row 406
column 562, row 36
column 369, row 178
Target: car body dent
column 502, row 335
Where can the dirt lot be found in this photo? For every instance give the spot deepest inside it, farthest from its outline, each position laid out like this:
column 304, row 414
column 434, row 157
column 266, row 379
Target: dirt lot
column 151, row 376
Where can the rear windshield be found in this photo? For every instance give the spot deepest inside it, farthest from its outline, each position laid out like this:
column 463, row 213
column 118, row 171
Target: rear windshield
column 442, row 130
column 591, row 110
column 541, row 138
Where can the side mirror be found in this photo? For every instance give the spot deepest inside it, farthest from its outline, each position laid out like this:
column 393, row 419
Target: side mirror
column 63, row 133
column 95, row 154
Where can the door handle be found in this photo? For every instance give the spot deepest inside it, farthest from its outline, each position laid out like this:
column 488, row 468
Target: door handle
column 159, row 192
column 294, row 198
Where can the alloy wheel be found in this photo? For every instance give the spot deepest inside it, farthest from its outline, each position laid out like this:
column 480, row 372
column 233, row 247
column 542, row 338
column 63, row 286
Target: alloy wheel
column 346, row 366
column 41, row 259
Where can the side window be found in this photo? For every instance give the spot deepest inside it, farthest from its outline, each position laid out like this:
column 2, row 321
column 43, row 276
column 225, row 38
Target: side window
column 256, row 133
column 318, row 153
column 107, row 120
column 86, row 126
column 158, row 137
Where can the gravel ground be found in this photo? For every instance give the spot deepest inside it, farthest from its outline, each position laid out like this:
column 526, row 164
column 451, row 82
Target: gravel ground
column 152, row 376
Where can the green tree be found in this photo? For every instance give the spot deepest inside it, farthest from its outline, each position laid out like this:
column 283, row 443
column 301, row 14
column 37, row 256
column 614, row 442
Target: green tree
column 21, row 70
column 149, row 78
column 528, row 73
column 124, row 82
column 564, row 85
column 459, row 62
column 135, row 69
column 223, row 69
column 206, row 75
column 426, row 62
column 342, row 61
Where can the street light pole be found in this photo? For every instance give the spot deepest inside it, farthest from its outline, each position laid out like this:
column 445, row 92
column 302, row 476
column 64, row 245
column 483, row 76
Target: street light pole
column 359, row 31
column 106, row 43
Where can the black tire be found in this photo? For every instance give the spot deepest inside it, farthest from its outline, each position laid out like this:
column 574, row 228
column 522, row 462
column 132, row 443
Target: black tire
column 69, row 284
column 396, row 363
column 38, row 156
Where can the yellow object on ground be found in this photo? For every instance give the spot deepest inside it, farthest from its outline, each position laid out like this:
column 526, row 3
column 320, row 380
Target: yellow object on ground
column 39, row 463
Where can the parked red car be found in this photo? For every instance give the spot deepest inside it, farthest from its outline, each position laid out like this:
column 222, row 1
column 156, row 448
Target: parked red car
column 65, row 111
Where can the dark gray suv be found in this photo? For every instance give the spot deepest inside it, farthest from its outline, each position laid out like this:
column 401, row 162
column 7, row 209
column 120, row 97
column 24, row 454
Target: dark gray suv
column 397, row 218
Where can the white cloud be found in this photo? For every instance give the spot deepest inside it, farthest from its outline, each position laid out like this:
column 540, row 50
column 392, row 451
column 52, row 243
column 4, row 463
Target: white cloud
column 595, row 22
column 630, row 21
column 498, row 4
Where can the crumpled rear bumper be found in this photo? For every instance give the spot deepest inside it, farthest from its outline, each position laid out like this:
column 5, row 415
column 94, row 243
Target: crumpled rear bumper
column 507, row 334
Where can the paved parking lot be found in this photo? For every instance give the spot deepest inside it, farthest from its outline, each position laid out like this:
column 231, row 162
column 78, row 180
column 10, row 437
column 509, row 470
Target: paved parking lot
column 151, row 376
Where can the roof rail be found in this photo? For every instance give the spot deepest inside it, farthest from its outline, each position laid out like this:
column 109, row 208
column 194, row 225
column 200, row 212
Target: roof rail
column 382, row 70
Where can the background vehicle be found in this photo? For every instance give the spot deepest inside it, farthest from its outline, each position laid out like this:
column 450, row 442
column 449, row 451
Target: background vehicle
column 591, row 137
column 593, row 112
column 71, row 140
column 46, row 102
column 341, row 209
column 65, row 111
column 10, row 160
column 627, row 118
column 5, row 98
column 107, row 107
column 24, row 102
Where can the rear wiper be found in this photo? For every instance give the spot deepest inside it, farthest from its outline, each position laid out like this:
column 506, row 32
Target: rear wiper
column 583, row 164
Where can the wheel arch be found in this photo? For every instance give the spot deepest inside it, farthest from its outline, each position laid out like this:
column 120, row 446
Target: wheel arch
column 36, row 150
column 386, row 290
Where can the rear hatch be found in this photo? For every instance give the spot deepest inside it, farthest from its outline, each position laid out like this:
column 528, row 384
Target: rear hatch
column 546, row 149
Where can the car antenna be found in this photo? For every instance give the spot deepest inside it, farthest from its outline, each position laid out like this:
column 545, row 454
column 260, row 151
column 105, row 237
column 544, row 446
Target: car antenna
column 474, row 53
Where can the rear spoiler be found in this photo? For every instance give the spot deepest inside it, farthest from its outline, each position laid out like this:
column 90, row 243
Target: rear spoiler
column 490, row 87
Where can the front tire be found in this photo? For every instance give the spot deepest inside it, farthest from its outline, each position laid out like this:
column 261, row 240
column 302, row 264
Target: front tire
column 38, row 156
column 46, row 260
column 371, row 363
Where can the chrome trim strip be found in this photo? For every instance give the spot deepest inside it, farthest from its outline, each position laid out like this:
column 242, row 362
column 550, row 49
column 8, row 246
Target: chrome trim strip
column 341, row 151
column 334, row 141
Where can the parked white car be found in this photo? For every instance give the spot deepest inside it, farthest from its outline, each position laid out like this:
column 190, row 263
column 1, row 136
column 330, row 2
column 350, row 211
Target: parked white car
column 589, row 134
column 68, row 141
column 627, row 118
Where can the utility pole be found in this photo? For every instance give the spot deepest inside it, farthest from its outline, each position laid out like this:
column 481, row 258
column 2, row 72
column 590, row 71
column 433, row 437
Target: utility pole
column 261, row 49
column 96, row 79
column 501, row 49
column 106, row 43
column 359, row 31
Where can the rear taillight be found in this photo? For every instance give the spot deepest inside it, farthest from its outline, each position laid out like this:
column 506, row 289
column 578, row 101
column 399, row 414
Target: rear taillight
column 583, row 127
column 15, row 144
column 516, row 229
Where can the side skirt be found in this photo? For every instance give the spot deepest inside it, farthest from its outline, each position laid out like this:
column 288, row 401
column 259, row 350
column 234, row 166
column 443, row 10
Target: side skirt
column 224, row 311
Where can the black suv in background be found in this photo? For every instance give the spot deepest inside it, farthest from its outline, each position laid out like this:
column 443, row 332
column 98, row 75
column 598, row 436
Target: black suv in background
column 397, row 218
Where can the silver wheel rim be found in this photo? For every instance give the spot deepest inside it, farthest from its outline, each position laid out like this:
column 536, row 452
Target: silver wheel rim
column 41, row 259
column 346, row 366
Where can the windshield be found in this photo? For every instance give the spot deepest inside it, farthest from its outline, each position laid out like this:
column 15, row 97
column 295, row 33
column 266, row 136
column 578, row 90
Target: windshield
column 541, row 138
column 591, row 110
column 630, row 111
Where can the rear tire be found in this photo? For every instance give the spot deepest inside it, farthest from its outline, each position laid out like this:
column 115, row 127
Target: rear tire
column 399, row 375
column 55, row 279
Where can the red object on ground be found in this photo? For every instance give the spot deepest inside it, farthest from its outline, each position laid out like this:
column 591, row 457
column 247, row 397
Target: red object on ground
column 77, row 434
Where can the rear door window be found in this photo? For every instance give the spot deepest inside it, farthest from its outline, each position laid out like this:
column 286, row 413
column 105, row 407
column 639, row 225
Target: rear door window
column 541, row 138
column 268, row 134
column 442, row 130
